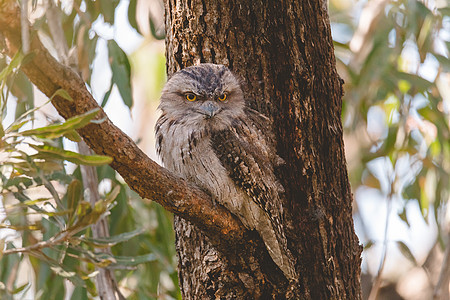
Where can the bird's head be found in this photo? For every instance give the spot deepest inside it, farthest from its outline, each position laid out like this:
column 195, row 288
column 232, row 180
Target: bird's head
column 206, row 95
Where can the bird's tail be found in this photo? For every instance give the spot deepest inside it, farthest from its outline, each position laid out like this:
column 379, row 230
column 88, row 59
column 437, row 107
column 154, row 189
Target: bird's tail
column 276, row 245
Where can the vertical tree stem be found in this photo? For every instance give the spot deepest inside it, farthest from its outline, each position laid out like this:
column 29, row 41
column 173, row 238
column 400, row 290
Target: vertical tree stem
column 106, row 283
column 24, row 26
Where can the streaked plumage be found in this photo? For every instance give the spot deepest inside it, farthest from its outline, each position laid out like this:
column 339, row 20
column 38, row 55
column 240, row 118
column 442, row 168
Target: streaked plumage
column 225, row 148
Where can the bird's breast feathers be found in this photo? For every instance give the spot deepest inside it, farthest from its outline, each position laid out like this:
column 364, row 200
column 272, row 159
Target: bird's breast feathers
column 189, row 153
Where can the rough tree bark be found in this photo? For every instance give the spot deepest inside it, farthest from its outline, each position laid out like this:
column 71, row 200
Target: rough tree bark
column 284, row 52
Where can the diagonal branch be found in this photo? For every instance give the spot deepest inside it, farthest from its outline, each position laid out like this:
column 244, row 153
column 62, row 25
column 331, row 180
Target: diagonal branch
column 142, row 174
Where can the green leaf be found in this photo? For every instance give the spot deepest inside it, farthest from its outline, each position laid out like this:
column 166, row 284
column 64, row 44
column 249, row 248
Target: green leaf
column 58, row 130
column 134, row 260
column 107, row 94
column 85, row 216
column 404, row 86
column 9, row 265
column 132, row 15
column 63, row 273
column 443, row 61
column 113, row 240
column 404, row 249
column 16, row 126
column 417, row 82
column 112, row 195
column 391, row 138
column 35, row 201
column 58, row 213
column 15, row 62
column 83, row 209
column 106, row 259
column 79, row 293
column 2, row 134
column 48, row 166
column 23, row 90
column 424, row 201
column 76, row 158
column 52, row 286
column 74, row 194
column 412, row 191
column 73, row 136
column 445, row 11
column 368, row 245
column 63, row 94
column 121, row 69
column 19, row 181
column 153, row 31
column 108, row 10
column 21, row 288
column 371, row 181
column 403, row 217
column 20, row 121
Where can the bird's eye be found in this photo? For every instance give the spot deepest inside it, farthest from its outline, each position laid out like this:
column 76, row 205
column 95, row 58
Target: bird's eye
column 190, row 97
column 222, row 97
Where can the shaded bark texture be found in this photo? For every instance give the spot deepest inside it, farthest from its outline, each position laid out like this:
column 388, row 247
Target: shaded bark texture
column 283, row 51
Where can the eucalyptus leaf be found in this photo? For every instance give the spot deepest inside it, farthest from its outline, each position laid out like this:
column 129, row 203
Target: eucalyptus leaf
column 443, row 61
column 21, row 288
column 113, row 240
column 73, row 136
column 76, row 158
column 74, row 195
column 15, row 62
column 134, row 260
column 121, row 70
column 132, row 15
column 63, row 94
column 406, row 252
column 57, row 130
column 419, row 83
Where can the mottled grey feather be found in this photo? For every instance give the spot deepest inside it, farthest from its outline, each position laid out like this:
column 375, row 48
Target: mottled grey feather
column 228, row 153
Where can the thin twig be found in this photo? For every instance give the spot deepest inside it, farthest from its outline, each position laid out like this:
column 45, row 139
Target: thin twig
column 24, row 26
column 54, row 193
column 378, row 279
column 106, row 282
column 82, row 14
column 441, row 289
column 54, row 240
column 53, row 15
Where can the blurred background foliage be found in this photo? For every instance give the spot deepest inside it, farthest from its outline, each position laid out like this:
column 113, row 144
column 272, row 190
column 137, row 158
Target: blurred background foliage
column 393, row 56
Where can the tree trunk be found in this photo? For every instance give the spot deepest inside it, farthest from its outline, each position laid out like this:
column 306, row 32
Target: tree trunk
column 284, row 52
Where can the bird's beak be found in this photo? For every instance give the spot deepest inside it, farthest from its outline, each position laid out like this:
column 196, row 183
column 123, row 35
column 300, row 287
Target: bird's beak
column 209, row 109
